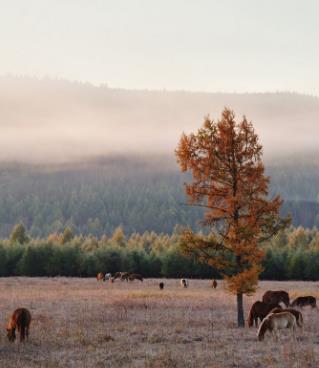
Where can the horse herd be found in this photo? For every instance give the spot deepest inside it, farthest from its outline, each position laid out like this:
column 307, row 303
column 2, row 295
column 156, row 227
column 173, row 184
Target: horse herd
column 273, row 317
column 128, row 276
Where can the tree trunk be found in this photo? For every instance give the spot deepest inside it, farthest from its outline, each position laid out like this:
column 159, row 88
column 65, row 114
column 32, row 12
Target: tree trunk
column 240, row 311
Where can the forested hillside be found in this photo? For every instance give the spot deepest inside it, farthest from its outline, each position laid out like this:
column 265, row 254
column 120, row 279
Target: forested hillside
column 139, row 193
column 135, row 183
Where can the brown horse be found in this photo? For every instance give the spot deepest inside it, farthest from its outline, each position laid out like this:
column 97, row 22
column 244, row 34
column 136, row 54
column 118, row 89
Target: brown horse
column 100, row 276
column 259, row 310
column 303, row 301
column 135, row 276
column 121, row 275
column 117, row 275
column 161, row 285
column 126, row 276
column 20, row 319
column 297, row 314
column 214, row 284
column 275, row 297
column 275, row 322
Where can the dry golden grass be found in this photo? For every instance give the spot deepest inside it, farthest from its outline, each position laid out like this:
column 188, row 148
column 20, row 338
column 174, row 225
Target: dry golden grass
column 83, row 323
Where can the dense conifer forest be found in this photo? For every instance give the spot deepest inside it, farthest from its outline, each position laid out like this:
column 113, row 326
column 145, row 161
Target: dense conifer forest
column 292, row 254
column 139, row 193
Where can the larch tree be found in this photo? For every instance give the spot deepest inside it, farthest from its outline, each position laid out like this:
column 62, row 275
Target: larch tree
column 229, row 182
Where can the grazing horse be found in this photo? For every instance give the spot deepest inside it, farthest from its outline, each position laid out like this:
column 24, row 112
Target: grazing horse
column 214, row 284
column 135, row 276
column 259, row 310
column 184, row 283
column 20, row 319
column 275, row 322
column 117, row 275
column 297, row 314
column 125, row 276
column 121, row 275
column 303, row 301
column 161, row 285
column 275, row 297
column 100, row 276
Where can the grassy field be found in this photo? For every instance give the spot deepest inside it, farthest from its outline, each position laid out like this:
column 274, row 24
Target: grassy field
column 83, row 323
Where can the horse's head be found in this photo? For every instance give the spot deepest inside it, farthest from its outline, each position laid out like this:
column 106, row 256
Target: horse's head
column 11, row 334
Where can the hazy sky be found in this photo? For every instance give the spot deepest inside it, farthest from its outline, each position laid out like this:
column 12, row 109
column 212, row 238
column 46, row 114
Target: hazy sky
column 208, row 45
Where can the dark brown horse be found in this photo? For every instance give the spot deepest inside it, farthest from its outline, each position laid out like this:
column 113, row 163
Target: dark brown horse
column 135, row 276
column 161, row 285
column 259, row 310
column 20, row 319
column 214, row 284
column 118, row 275
column 121, row 275
column 296, row 313
column 125, row 276
column 276, row 297
column 303, row 301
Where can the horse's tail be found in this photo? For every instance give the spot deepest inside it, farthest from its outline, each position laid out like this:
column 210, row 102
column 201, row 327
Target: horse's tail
column 251, row 317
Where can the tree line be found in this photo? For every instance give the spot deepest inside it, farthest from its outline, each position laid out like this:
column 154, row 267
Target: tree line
column 292, row 254
column 138, row 193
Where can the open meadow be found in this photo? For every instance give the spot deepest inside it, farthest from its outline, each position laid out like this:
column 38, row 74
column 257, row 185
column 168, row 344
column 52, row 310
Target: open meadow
column 85, row 323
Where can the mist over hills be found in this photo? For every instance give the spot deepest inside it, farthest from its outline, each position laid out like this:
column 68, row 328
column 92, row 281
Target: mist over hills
column 53, row 120
column 96, row 158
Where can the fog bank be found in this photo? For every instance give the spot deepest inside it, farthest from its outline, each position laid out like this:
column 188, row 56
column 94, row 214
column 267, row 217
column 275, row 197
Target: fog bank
column 48, row 120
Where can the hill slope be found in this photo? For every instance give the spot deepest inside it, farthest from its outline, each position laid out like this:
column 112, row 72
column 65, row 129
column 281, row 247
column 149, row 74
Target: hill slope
column 139, row 193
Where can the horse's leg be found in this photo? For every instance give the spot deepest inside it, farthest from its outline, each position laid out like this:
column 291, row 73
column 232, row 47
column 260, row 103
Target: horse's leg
column 301, row 325
column 293, row 333
column 27, row 332
column 22, row 333
column 274, row 335
column 278, row 335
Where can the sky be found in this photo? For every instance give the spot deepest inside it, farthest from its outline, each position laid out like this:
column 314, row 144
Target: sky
column 202, row 45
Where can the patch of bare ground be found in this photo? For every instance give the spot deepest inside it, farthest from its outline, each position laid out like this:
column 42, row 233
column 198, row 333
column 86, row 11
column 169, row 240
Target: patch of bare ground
column 83, row 323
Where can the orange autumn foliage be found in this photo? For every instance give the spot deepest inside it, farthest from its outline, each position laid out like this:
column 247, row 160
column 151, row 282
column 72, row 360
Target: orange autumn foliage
column 229, row 182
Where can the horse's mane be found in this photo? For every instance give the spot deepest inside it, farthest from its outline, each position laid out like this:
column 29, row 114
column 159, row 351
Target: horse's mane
column 264, row 326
